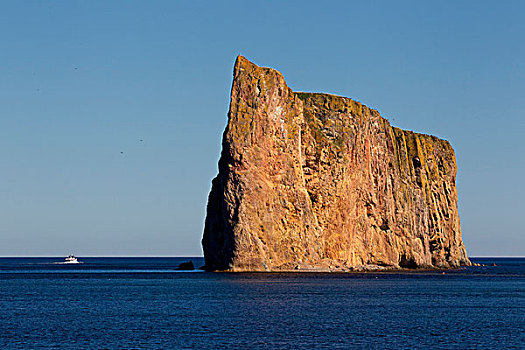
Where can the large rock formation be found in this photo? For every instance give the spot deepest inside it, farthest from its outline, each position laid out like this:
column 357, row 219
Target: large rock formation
column 317, row 181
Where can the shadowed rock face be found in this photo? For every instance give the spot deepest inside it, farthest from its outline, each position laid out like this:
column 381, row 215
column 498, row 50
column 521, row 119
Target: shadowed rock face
column 316, row 181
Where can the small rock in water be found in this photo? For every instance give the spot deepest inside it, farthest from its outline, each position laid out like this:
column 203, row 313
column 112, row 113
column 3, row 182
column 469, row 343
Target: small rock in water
column 186, row 266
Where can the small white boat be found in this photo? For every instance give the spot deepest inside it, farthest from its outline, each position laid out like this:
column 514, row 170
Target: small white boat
column 71, row 259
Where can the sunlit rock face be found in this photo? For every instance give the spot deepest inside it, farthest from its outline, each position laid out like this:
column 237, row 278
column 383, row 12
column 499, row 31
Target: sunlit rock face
column 312, row 181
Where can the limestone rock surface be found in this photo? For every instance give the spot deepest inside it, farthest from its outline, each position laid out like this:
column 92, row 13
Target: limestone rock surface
column 312, row 181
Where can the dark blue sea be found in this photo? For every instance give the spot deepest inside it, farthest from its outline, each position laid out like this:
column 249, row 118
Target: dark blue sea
column 144, row 303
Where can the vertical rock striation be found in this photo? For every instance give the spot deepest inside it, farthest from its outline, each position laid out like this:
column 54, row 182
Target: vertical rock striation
column 317, row 181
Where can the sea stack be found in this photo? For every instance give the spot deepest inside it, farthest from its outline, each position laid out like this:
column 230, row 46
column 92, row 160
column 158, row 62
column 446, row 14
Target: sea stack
column 317, row 182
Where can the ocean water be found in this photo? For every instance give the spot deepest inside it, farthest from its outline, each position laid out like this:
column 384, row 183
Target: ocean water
column 143, row 303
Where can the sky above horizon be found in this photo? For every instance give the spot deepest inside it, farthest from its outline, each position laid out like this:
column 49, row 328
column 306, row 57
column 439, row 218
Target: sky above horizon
column 112, row 112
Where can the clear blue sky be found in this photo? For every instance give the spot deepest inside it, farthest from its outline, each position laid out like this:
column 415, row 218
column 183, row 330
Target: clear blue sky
column 83, row 81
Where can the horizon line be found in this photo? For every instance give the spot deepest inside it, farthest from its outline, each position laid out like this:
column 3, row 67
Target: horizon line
column 194, row 256
column 102, row 256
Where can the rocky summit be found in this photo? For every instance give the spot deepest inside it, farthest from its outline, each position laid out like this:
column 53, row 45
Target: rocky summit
column 317, row 182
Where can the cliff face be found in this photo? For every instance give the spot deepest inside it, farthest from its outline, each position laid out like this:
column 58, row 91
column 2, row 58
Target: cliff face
column 316, row 181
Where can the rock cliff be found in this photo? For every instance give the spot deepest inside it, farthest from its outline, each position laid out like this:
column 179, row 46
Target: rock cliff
column 314, row 181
